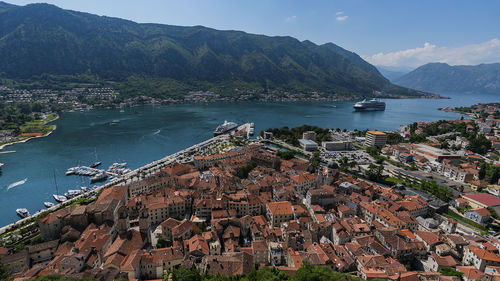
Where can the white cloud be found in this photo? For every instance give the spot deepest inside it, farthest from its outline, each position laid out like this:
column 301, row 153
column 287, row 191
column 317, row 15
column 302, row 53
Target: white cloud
column 291, row 18
column 339, row 13
column 485, row 52
column 341, row 18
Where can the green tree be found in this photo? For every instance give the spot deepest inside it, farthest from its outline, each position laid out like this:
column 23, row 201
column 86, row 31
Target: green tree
column 482, row 170
column 185, row 274
column 4, row 272
column 374, row 172
column 452, row 272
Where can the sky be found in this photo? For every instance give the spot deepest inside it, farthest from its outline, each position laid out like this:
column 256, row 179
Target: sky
column 399, row 34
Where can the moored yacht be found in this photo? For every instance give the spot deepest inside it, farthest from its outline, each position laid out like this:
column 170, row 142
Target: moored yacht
column 22, row 212
column 48, row 204
column 59, row 198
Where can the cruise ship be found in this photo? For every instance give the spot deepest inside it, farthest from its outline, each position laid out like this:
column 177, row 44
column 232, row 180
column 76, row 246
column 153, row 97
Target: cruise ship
column 371, row 105
column 224, row 128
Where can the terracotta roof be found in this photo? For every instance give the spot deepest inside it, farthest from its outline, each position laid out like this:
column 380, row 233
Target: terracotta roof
column 481, row 211
column 484, row 198
column 483, row 254
column 303, row 178
column 280, row 208
column 131, row 261
column 444, row 261
column 428, row 237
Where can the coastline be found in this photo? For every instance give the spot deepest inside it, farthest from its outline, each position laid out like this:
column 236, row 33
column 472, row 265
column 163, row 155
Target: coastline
column 29, row 138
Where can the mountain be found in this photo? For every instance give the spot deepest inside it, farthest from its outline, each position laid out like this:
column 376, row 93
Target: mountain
column 444, row 78
column 392, row 73
column 42, row 40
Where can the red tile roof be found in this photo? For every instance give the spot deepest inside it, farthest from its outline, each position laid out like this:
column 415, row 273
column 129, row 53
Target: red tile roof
column 484, row 198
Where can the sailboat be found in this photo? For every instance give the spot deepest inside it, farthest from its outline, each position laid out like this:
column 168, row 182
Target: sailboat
column 97, row 163
column 57, row 197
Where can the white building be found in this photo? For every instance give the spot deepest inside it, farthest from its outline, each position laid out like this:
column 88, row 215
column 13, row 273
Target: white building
column 375, row 139
column 308, row 145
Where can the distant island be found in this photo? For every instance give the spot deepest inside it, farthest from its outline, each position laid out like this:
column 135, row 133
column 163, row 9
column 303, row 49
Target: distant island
column 444, row 78
column 46, row 47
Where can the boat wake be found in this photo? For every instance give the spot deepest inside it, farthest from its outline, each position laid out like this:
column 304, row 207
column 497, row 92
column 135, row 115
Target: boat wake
column 17, row 183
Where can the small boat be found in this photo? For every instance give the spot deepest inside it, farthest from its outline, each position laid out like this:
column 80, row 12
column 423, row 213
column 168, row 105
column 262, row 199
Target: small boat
column 59, row 198
column 22, row 212
column 72, row 193
column 71, row 171
column 85, row 189
column 95, row 164
column 99, row 177
column 48, row 204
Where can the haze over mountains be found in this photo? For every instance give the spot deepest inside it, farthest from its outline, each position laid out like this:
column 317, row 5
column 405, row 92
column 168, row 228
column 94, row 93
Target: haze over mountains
column 42, row 39
column 443, row 78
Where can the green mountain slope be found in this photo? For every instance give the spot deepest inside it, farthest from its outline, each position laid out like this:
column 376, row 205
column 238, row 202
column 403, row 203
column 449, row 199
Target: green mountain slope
column 40, row 39
column 443, row 78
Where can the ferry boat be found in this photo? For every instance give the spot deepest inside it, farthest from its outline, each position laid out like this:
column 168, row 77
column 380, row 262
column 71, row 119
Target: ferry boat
column 225, row 128
column 22, row 212
column 48, row 204
column 370, row 105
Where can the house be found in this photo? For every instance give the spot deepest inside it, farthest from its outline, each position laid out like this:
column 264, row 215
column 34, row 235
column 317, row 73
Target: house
column 154, row 262
column 42, row 252
column 459, row 203
column 470, row 273
column 436, row 263
column 321, row 196
column 278, row 212
column 429, row 238
column 305, row 182
column 479, row 215
column 480, row 258
column 260, row 252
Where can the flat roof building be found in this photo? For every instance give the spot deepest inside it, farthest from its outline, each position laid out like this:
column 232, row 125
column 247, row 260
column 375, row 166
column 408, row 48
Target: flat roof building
column 375, row 139
column 336, row 145
column 309, row 135
column 308, row 145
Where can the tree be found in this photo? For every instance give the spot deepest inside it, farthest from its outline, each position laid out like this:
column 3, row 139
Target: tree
column 445, row 145
column 161, row 243
column 185, row 274
column 479, row 144
column 451, row 272
column 393, row 138
column 374, row 172
column 4, row 272
column 493, row 174
column 482, row 170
